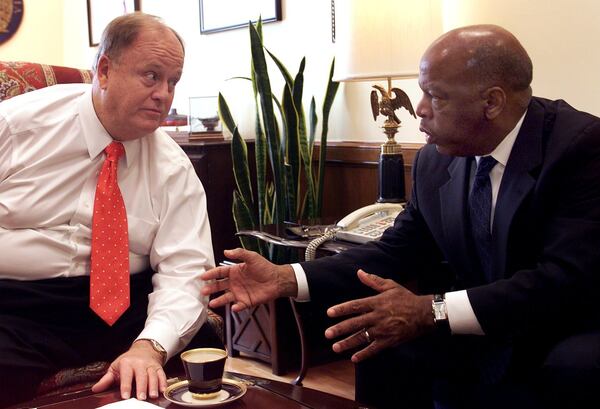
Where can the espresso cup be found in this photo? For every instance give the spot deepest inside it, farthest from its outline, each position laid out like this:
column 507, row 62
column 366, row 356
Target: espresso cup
column 204, row 371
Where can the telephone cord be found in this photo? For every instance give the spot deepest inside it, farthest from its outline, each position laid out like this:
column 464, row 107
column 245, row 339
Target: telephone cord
column 311, row 249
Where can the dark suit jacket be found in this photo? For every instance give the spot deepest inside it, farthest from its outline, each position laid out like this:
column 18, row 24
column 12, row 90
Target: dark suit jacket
column 546, row 231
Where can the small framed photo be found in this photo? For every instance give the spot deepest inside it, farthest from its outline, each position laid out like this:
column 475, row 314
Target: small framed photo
column 204, row 119
column 204, row 116
column 221, row 15
column 102, row 12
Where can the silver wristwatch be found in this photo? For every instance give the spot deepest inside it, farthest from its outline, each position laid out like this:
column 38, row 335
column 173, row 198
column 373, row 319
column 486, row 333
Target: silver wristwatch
column 440, row 312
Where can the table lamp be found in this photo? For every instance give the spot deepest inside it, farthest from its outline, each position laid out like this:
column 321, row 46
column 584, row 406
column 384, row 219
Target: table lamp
column 384, row 40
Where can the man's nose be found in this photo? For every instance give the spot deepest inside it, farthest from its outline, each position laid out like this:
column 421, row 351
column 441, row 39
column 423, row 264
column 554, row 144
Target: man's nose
column 423, row 108
column 162, row 90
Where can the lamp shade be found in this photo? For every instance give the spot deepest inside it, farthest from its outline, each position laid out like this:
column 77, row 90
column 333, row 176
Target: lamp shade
column 383, row 38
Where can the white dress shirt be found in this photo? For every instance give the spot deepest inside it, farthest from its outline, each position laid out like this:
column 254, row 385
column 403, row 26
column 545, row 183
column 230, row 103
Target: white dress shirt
column 51, row 152
column 461, row 317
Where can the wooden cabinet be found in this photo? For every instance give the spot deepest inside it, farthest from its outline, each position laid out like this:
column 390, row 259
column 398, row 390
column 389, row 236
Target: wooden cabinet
column 212, row 162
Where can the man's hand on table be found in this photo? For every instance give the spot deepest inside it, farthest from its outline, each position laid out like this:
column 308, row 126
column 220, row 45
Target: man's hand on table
column 141, row 365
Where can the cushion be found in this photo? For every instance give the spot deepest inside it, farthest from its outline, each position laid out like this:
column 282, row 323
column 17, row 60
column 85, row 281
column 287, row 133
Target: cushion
column 20, row 77
column 77, row 379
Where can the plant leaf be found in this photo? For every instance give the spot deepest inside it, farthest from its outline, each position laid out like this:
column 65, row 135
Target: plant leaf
column 312, row 114
column 241, row 170
column 269, row 123
column 243, row 221
column 284, row 72
column 225, row 114
column 332, row 87
column 292, row 153
column 305, row 148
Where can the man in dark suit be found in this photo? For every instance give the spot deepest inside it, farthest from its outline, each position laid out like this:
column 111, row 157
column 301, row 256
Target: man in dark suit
column 503, row 224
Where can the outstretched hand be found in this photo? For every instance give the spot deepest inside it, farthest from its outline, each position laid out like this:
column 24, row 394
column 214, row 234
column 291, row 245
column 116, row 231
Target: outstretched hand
column 393, row 316
column 254, row 280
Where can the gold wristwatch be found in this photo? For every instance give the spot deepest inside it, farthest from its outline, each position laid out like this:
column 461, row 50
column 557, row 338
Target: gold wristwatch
column 157, row 347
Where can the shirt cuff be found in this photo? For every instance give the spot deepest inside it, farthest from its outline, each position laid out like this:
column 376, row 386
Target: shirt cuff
column 461, row 316
column 159, row 334
column 303, row 293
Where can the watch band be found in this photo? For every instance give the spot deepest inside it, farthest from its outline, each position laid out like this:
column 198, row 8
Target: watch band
column 157, row 347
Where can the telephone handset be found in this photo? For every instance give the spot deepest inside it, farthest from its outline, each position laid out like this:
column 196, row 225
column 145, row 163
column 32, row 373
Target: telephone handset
column 362, row 225
column 368, row 223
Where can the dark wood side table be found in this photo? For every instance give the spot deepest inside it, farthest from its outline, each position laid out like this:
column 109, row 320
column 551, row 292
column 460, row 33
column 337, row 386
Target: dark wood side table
column 262, row 393
column 266, row 331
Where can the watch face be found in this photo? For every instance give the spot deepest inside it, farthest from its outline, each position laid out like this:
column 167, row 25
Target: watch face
column 158, row 347
column 438, row 313
column 439, row 310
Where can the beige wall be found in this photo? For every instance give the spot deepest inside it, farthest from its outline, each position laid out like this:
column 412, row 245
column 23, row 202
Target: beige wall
column 39, row 37
column 561, row 37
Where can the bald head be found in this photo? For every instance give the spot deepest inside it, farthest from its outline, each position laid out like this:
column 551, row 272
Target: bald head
column 476, row 84
column 487, row 54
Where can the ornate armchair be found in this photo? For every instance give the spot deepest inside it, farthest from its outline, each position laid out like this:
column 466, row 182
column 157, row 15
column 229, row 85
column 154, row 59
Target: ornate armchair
column 20, row 77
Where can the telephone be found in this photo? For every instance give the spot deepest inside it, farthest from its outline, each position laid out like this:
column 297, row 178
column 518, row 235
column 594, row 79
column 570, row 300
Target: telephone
column 368, row 223
column 360, row 226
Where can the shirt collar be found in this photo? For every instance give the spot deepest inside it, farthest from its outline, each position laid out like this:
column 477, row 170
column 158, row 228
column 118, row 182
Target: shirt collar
column 502, row 151
column 96, row 137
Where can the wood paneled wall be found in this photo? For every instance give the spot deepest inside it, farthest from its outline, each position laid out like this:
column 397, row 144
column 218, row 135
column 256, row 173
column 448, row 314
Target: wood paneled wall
column 351, row 176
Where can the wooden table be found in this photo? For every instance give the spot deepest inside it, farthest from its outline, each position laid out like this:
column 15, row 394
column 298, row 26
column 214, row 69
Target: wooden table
column 262, row 393
column 255, row 332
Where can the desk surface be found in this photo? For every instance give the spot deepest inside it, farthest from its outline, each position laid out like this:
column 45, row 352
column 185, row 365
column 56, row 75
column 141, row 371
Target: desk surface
column 279, row 235
column 262, row 393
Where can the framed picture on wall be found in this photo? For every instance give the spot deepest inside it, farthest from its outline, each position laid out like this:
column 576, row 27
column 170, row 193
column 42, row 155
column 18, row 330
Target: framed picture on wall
column 221, row 15
column 101, row 12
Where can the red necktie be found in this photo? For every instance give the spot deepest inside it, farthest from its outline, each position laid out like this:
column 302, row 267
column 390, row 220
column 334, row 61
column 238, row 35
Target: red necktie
column 109, row 280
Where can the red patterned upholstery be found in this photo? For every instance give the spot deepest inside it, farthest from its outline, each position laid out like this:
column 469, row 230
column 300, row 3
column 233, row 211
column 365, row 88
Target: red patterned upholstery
column 20, row 77
column 72, row 379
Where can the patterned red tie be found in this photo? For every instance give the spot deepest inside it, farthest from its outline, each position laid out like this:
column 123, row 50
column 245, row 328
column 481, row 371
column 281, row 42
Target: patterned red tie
column 109, row 281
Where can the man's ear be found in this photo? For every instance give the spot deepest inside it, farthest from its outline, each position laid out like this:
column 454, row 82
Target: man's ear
column 495, row 102
column 102, row 69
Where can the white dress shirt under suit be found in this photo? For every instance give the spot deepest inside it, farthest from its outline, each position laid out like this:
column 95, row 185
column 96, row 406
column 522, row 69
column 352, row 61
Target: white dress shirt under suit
column 51, row 151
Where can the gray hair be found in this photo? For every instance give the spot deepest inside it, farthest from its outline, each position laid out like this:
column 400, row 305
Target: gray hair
column 121, row 32
column 498, row 63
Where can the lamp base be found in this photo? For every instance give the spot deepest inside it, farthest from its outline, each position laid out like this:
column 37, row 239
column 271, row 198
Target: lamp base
column 391, row 178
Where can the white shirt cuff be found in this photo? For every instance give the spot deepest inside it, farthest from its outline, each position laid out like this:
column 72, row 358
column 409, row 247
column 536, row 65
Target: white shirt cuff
column 303, row 294
column 461, row 316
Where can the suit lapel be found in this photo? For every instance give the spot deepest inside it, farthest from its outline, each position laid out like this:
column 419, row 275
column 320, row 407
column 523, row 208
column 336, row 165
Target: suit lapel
column 517, row 182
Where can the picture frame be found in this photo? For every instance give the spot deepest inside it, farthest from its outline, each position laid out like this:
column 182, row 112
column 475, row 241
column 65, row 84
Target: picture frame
column 221, row 15
column 102, row 12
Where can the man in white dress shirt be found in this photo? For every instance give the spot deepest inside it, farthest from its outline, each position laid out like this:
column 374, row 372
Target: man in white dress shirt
column 51, row 151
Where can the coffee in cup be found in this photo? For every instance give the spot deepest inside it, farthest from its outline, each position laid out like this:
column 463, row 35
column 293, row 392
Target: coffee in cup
column 204, row 371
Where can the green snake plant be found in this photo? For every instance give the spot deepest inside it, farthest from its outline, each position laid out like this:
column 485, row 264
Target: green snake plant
column 288, row 185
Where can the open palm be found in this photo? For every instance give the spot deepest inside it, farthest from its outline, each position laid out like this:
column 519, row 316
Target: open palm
column 254, row 280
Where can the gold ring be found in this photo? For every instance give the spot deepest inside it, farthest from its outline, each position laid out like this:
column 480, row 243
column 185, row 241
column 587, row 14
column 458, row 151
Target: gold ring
column 367, row 336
